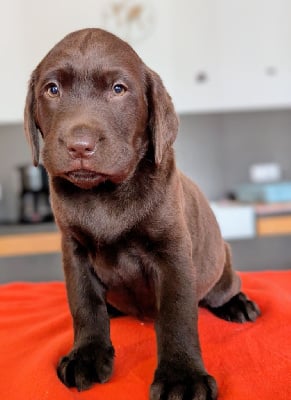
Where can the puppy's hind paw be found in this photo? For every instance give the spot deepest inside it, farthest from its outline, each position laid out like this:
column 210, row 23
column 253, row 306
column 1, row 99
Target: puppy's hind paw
column 238, row 309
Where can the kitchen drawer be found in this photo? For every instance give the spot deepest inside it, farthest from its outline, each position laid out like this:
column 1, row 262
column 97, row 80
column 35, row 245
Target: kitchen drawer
column 235, row 221
column 274, row 225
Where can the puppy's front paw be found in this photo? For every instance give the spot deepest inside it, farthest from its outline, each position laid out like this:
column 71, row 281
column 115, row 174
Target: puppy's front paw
column 86, row 365
column 174, row 384
column 238, row 309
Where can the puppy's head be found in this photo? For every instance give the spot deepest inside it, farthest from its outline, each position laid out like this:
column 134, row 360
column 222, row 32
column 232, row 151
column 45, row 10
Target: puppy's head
column 98, row 109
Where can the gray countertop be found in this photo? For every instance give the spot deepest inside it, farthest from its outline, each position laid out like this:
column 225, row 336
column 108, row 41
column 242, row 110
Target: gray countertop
column 12, row 229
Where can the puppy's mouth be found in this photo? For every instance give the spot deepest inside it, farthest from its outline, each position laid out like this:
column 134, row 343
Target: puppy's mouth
column 85, row 179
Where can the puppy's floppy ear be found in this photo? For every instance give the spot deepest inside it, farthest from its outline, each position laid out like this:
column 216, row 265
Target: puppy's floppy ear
column 30, row 127
column 163, row 120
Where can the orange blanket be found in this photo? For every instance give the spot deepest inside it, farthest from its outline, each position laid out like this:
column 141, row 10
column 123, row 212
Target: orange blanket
column 250, row 361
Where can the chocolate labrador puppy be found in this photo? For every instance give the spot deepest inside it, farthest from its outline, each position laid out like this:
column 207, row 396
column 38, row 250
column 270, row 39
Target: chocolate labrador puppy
column 136, row 232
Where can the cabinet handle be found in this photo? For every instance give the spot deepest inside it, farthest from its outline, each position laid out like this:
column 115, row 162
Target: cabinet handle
column 201, row 77
column 271, row 71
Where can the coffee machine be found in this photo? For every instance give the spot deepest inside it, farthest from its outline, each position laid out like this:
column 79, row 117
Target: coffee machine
column 34, row 195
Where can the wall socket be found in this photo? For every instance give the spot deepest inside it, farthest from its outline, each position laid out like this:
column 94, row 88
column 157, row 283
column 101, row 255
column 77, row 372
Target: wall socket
column 268, row 172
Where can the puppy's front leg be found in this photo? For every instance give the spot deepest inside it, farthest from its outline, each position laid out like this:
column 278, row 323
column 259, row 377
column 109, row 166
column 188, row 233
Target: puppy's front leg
column 180, row 374
column 91, row 358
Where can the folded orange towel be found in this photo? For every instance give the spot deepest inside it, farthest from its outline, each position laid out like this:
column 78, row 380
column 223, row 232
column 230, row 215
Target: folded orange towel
column 251, row 361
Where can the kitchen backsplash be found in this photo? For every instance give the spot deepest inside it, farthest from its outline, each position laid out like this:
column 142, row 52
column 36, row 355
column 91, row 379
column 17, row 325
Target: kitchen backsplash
column 217, row 150
column 14, row 152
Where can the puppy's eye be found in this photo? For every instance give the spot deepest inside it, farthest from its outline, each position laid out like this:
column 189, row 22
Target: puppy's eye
column 53, row 90
column 119, row 89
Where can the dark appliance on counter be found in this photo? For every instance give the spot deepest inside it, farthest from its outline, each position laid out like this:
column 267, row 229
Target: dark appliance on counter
column 34, row 195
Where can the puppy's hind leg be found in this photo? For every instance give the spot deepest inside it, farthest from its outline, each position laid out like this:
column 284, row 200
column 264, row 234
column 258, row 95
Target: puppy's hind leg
column 226, row 300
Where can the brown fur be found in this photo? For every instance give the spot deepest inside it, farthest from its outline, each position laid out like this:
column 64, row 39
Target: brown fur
column 135, row 231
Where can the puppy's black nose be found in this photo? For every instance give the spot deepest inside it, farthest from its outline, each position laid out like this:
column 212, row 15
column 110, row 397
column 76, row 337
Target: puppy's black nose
column 81, row 147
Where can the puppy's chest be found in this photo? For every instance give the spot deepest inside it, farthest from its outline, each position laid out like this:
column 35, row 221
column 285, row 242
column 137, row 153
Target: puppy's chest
column 94, row 222
column 123, row 260
column 128, row 270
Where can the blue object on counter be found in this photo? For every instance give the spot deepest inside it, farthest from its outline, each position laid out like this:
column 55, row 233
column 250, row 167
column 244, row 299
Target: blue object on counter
column 275, row 192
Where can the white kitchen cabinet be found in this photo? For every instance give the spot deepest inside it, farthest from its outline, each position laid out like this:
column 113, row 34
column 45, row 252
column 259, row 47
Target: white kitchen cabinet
column 196, row 83
column 255, row 53
column 232, row 55
column 213, row 55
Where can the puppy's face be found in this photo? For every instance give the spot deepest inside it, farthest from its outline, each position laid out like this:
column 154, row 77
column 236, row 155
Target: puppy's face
column 96, row 106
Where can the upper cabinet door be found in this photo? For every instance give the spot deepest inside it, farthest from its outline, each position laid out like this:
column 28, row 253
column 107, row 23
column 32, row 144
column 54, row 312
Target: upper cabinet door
column 254, row 39
column 194, row 39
